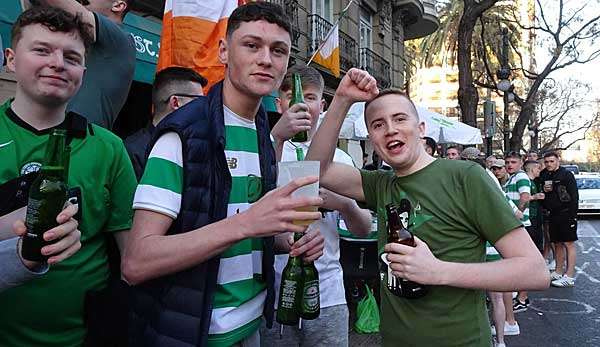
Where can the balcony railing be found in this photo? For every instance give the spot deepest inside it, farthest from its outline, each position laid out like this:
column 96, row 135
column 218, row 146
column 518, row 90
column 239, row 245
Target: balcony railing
column 376, row 65
column 291, row 9
column 319, row 27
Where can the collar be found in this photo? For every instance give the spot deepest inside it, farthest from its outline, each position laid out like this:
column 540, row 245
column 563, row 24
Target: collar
column 75, row 124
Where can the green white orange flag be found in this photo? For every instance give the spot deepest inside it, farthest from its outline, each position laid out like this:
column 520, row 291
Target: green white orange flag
column 328, row 54
column 191, row 32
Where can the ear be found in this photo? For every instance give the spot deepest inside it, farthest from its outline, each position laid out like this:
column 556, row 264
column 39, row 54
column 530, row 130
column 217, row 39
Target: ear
column 421, row 129
column 174, row 103
column 10, row 59
column 323, row 105
column 118, row 6
column 278, row 105
column 223, row 53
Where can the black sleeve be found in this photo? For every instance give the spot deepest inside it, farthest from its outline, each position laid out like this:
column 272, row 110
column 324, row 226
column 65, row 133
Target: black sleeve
column 571, row 185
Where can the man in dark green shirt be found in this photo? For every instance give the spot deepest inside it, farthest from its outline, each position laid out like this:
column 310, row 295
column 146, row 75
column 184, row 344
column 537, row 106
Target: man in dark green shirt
column 456, row 209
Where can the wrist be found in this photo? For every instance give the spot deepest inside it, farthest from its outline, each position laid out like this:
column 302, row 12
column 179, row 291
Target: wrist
column 242, row 226
column 444, row 277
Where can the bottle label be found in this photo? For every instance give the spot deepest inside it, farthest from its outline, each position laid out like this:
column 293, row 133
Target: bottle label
column 288, row 294
column 32, row 217
column 310, row 300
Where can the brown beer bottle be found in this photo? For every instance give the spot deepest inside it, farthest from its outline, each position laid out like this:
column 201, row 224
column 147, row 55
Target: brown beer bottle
column 398, row 233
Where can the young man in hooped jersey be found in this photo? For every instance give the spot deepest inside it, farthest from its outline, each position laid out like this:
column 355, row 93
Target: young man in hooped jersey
column 202, row 248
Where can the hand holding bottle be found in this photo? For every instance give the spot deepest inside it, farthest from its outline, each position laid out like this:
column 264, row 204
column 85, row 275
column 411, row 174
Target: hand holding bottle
column 67, row 234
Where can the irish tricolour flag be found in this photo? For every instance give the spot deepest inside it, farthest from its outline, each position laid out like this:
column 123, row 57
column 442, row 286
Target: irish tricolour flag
column 328, row 54
column 191, row 32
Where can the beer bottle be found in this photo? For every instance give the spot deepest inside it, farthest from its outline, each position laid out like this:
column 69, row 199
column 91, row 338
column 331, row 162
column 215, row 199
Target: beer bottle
column 47, row 197
column 398, row 233
column 310, row 308
column 290, row 290
column 298, row 97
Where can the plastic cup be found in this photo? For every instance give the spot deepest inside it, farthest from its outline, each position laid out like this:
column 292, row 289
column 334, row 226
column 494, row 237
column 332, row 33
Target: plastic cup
column 289, row 171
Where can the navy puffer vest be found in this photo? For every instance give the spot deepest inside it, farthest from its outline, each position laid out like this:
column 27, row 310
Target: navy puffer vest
column 175, row 310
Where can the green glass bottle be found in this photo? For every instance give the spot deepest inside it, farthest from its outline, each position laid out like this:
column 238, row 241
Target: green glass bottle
column 298, row 97
column 310, row 308
column 47, row 197
column 290, row 290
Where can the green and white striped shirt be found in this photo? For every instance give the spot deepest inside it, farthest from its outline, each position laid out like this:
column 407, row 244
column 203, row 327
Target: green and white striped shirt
column 241, row 291
column 517, row 184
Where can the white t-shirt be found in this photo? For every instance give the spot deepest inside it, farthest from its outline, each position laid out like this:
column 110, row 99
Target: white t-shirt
column 331, row 275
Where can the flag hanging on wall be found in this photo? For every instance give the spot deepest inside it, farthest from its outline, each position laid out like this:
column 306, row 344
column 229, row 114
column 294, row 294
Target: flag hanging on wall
column 329, row 53
column 190, row 36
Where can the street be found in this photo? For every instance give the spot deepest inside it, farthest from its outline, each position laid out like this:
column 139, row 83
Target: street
column 557, row 316
column 567, row 316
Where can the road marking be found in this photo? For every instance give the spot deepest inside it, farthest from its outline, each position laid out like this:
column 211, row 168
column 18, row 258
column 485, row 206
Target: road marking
column 587, row 309
column 592, row 248
column 581, row 270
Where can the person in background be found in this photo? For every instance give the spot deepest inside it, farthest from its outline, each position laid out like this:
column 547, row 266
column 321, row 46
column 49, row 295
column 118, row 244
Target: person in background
column 173, row 87
column 430, row 145
column 532, row 155
column 110, row 60
column 452, row 153
column 489, row 161
column 331, row 327
column 562, row 199
column 499, row 170
column 47, row 56
column 206, row 209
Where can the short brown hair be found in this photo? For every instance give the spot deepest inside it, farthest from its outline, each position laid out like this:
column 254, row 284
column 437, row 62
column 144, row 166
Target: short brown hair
column 393, row 91
column 310, row 77
column 55, row 19
column 551, row 154
column 255, row 11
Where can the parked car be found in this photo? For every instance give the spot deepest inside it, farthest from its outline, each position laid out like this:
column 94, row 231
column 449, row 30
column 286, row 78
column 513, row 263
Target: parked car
column 573, row 168
column 589, row 193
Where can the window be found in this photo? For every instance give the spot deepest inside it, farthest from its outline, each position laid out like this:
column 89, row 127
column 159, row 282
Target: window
column 323, row 8
column 366, row 29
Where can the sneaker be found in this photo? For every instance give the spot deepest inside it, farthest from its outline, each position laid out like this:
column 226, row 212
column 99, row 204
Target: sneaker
column 519, row 306
column 564, row 281
column 509, row 329
column 552, row 265
column 555, row 276
column 498, row 344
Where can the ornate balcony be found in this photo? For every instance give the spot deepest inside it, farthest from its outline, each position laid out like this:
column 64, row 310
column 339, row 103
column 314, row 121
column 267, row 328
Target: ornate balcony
column 319, row 27
column 419, row 17
column 376, row 65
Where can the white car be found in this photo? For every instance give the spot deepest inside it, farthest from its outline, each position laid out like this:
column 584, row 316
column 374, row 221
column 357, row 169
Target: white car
column 589, row 193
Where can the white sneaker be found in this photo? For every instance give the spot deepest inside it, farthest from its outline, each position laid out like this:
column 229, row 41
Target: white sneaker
column 564, row 281
column 509, row 329
column 555, row 276
column 551, row 265
column 497, row 344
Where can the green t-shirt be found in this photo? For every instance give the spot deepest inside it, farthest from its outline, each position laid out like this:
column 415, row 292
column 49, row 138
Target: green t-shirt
column 48, row 311
column 456, row 208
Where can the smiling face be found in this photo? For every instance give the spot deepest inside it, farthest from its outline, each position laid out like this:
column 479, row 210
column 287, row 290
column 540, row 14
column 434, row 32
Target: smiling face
column 256, row 55
column 395, row 131
column 48, row 65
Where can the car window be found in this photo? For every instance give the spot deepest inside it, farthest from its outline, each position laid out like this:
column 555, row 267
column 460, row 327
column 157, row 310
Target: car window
column 588, row 183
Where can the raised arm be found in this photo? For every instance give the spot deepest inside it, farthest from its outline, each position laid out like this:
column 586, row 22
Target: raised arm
column 357, row 85
column 71, row 6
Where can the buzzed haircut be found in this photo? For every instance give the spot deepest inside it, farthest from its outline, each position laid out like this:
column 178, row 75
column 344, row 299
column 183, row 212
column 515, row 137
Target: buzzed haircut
column 551, row 154
column 309, row 76
column 529, row 165
column 173, row 80
column 55, row 20
column 255, row 11
column 513, row 154
column 393, row 91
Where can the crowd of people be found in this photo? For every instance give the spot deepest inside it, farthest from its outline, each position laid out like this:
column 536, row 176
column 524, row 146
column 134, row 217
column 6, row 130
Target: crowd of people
column 178, row 235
